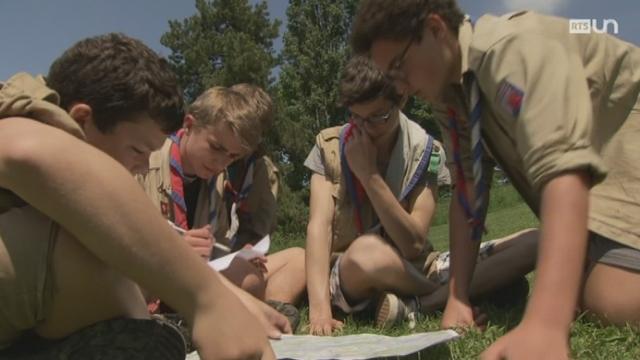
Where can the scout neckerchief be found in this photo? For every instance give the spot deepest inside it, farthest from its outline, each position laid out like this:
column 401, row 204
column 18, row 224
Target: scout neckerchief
column 239, row 182
column 177, row 182
column 475, row 215
column 355, row 188
column 236, row 189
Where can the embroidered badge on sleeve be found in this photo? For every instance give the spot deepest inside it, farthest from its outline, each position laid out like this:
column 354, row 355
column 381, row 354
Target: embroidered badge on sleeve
column 510, row 98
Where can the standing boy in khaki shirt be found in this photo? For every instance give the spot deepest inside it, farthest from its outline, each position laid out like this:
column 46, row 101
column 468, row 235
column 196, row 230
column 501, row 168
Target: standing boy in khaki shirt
column 76, row 232
column 560, row 114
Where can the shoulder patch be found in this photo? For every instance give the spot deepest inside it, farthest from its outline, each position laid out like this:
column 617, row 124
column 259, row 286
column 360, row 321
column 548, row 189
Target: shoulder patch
column 434, row 160
column 510, row 98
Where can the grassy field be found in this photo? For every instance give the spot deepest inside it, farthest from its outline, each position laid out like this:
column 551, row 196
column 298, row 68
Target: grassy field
column 507, row 214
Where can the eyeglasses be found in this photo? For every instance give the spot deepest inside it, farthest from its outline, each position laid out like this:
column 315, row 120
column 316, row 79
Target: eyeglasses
column 394, row 70
column 373, row 120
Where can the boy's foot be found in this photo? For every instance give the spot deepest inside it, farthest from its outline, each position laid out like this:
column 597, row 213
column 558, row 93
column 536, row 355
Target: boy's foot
column 288, row 310
column 392, row 310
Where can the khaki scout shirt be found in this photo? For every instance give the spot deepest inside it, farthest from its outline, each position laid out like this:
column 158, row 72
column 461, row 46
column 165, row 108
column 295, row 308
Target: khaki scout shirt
column 260, row 219
column 26, row 235
column 26, row 96
column 579, row 110
column 404, row 160
column 157, row 184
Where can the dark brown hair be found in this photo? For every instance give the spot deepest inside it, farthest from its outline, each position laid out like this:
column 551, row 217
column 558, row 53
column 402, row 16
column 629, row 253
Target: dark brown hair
column 399, row 20
column 119, row 77
column 362, row 81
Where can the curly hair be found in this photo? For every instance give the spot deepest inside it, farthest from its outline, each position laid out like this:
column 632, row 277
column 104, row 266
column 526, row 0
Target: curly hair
column 119, row 77
column 362, row 82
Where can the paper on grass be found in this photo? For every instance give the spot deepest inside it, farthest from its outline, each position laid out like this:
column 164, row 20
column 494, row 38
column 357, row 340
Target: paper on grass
column 352, row 347
column 259, row 249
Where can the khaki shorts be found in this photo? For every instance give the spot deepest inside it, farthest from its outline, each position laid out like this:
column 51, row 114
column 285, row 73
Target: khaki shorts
column 27, row 238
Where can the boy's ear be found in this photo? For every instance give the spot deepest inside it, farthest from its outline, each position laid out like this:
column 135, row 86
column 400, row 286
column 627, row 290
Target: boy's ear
column 188, row 123
column 436, row 26
column 82, row 114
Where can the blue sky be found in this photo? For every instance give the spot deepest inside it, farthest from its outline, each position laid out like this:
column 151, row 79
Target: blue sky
column 34, row 32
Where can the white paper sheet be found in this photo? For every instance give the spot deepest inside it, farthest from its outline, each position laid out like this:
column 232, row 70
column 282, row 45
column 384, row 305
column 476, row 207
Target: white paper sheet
column 353, row 347
column 259, row 249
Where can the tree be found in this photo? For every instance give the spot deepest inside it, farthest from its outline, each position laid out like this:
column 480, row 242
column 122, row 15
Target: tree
column 315, row 50
column 226, row 42
column 421, row 112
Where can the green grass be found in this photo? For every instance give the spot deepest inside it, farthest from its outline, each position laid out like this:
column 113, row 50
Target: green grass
column 507, row 214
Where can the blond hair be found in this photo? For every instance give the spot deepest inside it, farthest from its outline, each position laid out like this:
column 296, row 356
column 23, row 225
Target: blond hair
column 224, row 105
column 259, row 102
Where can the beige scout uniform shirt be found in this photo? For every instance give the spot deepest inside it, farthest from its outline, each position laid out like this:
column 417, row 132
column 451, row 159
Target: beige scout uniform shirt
column 27, row 237
column 157, row 184
column 261, row 216
column 405, row 158
column 579, row 110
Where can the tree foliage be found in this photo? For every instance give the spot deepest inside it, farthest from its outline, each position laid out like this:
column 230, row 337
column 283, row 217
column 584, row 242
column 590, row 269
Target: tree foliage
column 315, row 49
column 224, row 43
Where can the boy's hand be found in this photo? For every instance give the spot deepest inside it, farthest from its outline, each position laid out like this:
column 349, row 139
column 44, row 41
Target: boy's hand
column 324, row 326
column 259, row 262
column 459, row 314
column 214, row 341
column 361, row 154
column 530, row 342
column 274, row 323
column 201, row 240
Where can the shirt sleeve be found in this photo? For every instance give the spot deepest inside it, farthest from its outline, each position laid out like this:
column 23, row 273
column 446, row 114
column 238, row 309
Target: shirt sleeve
column 538, row 88
column 314, row 161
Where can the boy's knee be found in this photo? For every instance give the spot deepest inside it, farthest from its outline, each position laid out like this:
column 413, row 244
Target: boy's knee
column 606, row 298
column 369, row 255
column 610, row 310
column 247, row 276
column 297, row 257
column 295, row 254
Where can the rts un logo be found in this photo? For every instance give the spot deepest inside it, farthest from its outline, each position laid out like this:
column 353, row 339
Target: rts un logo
column 588, row 26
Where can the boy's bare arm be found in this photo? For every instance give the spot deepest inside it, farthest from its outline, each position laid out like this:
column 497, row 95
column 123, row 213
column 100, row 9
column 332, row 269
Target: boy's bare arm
column 563, row 246
column 408, row 230
column 544, row 330
column 100, row 204
column 318, row 251
column 464, row 252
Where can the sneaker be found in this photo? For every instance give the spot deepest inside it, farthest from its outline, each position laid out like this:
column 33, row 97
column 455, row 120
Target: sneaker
column 288, row 310
column 392, row 310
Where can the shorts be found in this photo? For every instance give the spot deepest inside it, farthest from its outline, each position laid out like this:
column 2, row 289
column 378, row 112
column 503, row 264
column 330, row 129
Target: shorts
column 27, row 238
column 609, row 252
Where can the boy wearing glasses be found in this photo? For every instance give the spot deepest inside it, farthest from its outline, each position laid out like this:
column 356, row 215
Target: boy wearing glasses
column 373, row 196
column 560, row 113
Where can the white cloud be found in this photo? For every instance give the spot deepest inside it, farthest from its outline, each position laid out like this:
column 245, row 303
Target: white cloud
column 544, row 6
